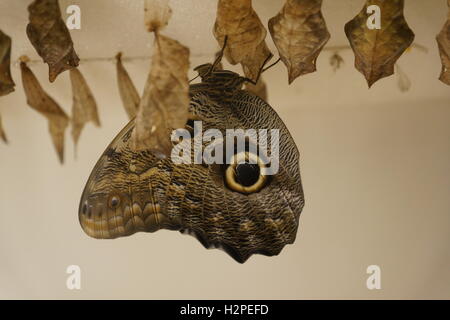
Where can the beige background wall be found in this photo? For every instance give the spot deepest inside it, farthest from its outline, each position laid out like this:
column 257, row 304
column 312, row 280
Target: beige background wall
column 375, row 167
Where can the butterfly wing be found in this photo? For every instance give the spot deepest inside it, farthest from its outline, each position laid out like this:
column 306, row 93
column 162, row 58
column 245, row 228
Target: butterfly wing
column 261, row 222
column 118, row 199
column 131, row 191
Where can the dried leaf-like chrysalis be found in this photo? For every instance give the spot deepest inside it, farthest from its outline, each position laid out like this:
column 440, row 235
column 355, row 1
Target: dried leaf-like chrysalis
column 237, row 20
column 50, row 37
column 84, row 108
column 377, row 50
column 40, row 101
column 165, row 101
column 156, row 14
column 260, row 89
column 443, row 40
column 2, row 132
column 299, row 32
column 128, row 93
column 6, row 82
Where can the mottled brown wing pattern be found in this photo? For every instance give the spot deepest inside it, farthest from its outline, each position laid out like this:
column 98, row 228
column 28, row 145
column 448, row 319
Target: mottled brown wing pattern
column 129, row 191
column 117, row 200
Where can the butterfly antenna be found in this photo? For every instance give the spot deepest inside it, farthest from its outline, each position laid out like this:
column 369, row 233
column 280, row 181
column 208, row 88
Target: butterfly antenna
column 219, row 56
column 213, row 66
column 261, row 70
column 194, row 78
column 267, row 68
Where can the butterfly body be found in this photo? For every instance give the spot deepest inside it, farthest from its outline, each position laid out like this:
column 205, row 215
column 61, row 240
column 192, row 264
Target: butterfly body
column 131, row 191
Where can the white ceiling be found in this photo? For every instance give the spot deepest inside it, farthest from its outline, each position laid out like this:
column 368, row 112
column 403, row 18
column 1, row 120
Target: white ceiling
column 375, row 167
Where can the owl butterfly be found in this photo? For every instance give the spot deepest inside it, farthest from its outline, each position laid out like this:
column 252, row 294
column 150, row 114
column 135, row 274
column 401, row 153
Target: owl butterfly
column 227, row 206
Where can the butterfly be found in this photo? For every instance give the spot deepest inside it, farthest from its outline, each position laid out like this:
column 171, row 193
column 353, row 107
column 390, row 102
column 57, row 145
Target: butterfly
column 227, row 206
